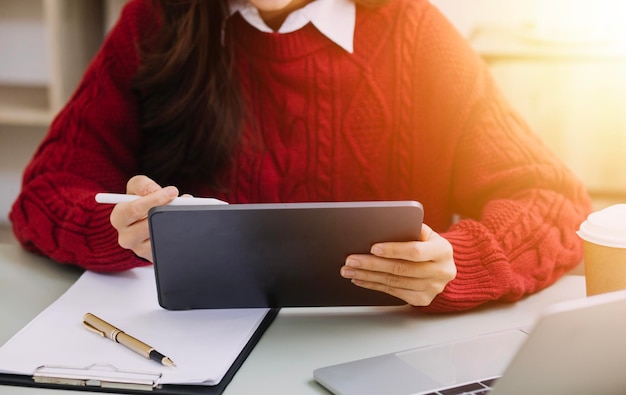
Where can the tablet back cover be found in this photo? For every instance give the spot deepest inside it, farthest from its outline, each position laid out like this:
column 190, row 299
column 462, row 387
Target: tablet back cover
column 271, row 255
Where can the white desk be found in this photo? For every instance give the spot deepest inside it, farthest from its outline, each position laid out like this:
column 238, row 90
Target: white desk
column 298, row 341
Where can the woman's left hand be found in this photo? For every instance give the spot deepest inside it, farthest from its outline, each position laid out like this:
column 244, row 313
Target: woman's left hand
column 414, row 271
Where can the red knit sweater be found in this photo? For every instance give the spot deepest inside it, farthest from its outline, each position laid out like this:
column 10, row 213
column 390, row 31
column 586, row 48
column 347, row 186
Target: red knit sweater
column 411, row 114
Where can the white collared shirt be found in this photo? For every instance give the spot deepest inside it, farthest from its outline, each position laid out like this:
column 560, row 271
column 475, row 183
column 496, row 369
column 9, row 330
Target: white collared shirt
column 333, row 18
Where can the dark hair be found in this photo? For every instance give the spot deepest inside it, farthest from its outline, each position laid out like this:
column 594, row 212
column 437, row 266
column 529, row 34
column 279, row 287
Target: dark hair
column 191, row 107
column 191, row 110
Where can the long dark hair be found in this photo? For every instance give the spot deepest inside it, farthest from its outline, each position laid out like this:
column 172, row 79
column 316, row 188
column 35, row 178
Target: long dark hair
column 191, row 106
column 191, row 110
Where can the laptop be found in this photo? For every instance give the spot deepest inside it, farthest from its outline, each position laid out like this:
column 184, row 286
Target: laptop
column 576, row 347
column 271, row 254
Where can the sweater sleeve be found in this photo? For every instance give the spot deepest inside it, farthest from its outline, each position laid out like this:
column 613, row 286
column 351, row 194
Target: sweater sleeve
column 91, row 147
column 520, row 206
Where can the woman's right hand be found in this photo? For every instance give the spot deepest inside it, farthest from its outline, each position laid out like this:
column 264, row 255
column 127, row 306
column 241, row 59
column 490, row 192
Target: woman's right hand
column 130, row 219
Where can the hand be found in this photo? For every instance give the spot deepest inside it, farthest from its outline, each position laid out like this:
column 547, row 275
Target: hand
column 414, row 271
column 131, row 218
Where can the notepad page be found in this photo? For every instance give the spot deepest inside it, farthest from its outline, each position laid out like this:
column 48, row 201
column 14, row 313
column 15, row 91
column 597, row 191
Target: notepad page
column 202, row 343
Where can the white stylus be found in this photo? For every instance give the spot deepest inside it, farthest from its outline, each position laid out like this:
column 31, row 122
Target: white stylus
column 114, row 198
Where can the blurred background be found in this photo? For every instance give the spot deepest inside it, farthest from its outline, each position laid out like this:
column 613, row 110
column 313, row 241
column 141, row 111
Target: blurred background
column 561, row 63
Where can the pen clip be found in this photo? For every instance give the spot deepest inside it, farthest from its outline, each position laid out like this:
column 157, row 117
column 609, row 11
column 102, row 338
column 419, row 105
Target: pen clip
column 93, row 329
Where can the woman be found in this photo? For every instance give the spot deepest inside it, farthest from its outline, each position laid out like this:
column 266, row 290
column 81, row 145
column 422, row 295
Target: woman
column 300, row 100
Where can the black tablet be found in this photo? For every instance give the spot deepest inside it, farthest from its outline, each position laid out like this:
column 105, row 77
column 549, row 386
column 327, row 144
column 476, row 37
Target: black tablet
column 271, row 255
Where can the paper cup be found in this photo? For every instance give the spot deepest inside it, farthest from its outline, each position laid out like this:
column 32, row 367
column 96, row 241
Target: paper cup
column 604, row 239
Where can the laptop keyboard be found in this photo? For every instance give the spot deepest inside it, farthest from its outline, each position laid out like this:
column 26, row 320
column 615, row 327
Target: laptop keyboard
column 477, row 388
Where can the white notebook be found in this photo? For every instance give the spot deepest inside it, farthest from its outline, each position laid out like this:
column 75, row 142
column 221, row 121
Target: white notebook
column 203, row 343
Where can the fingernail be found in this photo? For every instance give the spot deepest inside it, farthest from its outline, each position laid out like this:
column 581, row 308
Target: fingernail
column 171, row 191
column 377, row 250
column 353, row 262
column 347, row 272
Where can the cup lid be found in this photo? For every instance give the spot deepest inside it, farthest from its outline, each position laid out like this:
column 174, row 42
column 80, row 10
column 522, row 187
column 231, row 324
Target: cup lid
column 606, row 227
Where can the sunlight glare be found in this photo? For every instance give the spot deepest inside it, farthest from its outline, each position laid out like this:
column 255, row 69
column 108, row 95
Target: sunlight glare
column 579, row 21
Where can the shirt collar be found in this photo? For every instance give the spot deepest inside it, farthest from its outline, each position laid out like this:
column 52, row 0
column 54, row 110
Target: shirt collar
column 333, row 18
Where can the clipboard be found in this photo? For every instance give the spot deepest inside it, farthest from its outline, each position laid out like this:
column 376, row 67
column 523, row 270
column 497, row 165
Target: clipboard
column 108, row 378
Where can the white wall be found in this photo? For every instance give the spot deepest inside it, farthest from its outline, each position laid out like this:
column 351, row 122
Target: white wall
column 467, row 14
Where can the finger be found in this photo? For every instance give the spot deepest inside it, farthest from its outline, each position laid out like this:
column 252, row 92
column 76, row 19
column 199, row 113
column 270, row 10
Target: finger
column 416, row 251
column 425, row 232
column 433, row 247
column 141, row 246
column 144, row 250
column 394, row 273
column 134, row 235
column 387, row 282
column 421, row 297
column 140, row 207
column 430, row 276
column 417, row 286
column 141, row 185
column 130, row 212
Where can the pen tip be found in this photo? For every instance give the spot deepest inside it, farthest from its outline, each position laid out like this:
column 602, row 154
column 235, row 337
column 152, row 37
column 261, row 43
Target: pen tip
column 168, row 362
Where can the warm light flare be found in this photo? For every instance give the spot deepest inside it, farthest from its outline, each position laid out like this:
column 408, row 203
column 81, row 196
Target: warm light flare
column 579, row 21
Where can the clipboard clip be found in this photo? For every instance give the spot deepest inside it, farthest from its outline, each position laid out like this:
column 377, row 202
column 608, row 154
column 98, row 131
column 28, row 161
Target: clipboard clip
column 97, row 375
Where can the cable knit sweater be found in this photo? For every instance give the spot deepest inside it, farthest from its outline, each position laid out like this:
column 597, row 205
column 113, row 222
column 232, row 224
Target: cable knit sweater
column 412, row 114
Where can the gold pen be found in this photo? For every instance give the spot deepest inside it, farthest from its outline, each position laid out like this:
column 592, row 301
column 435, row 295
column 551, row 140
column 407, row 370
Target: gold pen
column 103, row 328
